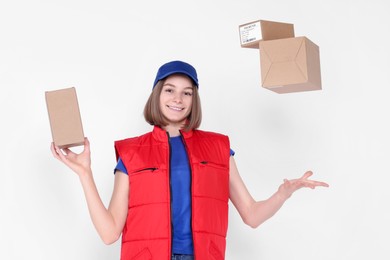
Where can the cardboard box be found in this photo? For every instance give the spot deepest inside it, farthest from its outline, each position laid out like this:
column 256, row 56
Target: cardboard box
column 64, row 116
column 252, row 33
column 288, row 63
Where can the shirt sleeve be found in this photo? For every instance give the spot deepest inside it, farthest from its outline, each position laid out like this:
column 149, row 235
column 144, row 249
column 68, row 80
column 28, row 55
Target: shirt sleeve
column 120, row 166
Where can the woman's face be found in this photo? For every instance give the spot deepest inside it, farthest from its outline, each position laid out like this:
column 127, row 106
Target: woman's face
column 176, row 99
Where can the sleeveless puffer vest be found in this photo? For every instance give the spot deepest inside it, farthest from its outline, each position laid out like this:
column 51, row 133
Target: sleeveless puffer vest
column 147, row 233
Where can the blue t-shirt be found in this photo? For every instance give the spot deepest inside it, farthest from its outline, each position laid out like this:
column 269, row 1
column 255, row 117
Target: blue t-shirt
column 181, row 196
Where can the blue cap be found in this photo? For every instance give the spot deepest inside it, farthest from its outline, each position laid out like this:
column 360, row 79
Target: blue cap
column 175, row 67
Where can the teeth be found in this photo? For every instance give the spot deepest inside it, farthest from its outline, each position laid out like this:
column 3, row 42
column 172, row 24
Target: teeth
column 176, row 108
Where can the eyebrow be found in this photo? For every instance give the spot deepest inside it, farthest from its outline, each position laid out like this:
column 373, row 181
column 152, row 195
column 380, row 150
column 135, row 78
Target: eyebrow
column 171, row 85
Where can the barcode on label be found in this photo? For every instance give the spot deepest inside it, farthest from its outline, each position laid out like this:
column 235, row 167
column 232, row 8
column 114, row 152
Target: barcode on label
column 249, row 40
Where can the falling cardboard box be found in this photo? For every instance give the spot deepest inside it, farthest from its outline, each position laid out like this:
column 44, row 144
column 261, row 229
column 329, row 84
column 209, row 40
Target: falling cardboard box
column 288, row 63
column 64, row 117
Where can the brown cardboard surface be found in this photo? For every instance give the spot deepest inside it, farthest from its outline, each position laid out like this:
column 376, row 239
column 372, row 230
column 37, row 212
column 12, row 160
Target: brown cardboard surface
column 64, row 116
column 290, row 65
column 276, row 30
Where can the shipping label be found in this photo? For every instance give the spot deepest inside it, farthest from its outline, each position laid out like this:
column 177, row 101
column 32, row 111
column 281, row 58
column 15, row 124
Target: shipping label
column 250, row 32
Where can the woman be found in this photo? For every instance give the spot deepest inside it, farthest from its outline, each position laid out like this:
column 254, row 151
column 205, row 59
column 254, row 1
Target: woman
column 172, row 185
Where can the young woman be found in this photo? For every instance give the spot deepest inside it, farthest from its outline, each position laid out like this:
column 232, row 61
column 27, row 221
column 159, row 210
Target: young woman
column 172, row 185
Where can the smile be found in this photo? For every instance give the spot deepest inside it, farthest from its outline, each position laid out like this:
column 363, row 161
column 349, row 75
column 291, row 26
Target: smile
column 175, row 108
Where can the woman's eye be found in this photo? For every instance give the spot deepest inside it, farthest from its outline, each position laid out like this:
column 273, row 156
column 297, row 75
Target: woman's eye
column 188, row 93
column 168, row 90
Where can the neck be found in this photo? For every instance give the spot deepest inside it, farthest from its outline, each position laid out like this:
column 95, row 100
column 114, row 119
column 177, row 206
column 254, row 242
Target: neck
column 172, row 130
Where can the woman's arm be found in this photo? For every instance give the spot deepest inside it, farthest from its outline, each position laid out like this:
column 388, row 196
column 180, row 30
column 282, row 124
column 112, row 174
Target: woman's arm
column 254, row 213
column 108, row 222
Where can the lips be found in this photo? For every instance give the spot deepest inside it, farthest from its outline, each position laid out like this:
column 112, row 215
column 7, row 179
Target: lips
column 176, row 108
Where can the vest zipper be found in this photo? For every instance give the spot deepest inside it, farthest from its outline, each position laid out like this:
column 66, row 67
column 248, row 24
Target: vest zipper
column 170, row 193
column 189, row 162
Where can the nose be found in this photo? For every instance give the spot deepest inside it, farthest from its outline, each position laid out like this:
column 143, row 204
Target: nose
column 177, row 98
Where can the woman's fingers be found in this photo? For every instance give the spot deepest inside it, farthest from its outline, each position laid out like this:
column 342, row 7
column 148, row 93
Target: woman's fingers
column 311, row 183
column 67, row 151
column 305, row 182
column 86, row 142
column 307, row 175
column 61, row 154
column 54, row 151
column 320, row 183
column 290, row 186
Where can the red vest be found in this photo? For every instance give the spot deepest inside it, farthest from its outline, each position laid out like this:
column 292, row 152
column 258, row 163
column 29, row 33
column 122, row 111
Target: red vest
column 147, row 232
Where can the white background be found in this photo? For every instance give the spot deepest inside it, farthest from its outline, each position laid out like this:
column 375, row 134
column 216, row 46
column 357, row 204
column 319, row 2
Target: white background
column 111, row 50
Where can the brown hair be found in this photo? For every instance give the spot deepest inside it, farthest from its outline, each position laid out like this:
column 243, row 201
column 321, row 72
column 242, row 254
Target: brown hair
column 153, row 115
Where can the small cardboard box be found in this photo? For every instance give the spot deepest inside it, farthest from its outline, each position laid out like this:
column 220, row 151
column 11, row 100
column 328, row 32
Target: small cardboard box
column 64, row 116
column 288, row 63
column 252, row 33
